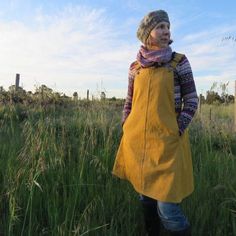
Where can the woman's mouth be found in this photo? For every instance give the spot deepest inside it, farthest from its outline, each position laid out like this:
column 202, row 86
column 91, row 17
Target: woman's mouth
column 165, row 40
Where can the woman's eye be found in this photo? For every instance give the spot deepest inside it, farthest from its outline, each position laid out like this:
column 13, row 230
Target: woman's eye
column 162, row 27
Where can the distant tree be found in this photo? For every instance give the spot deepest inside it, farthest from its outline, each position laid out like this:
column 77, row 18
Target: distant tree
column 103, row 96
column 65, row 96
column 202, row 99
column 2, row 89
column 17, row 96
column 57, row 95
column 224, row 92
column 75, row 96
column 44, row 90
column 12, row 88
column 229, row 98
column 113, row 99
column 44, row 95
column 218, row 94
column 213, row 97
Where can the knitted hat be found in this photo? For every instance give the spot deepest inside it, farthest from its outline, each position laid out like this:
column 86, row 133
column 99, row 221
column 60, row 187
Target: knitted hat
column 149, row 22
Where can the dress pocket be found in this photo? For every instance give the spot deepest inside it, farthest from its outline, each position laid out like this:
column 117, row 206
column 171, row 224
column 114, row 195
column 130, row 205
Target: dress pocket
column 125, row 123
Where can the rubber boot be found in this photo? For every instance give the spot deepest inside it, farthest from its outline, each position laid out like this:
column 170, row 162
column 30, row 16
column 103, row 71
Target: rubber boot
column 185, row 232
column 151, row 218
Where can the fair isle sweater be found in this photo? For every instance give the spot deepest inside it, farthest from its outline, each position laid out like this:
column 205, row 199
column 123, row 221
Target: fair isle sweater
column 186, row 99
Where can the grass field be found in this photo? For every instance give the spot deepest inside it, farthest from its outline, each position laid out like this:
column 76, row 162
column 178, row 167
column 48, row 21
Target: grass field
column 56, row 177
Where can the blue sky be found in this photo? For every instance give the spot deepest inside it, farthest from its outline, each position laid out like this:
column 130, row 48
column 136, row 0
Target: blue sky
column 79, row 45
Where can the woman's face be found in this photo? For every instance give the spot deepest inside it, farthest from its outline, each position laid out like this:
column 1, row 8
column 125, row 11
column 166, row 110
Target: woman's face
column 160, row 36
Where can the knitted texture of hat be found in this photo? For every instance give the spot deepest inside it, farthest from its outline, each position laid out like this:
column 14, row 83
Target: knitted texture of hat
column 149, row 22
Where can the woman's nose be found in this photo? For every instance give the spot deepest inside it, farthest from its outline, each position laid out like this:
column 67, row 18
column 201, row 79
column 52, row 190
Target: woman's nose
column 166, row 31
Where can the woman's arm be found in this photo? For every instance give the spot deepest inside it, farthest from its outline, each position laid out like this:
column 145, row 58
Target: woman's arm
column 188, row 94
column 128, row 102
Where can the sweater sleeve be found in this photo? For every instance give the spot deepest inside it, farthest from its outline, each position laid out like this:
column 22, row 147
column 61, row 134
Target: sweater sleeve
column 188, row 94
column 128, row 101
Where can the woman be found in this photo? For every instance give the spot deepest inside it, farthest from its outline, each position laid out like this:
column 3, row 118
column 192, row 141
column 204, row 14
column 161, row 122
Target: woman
column 154, row 153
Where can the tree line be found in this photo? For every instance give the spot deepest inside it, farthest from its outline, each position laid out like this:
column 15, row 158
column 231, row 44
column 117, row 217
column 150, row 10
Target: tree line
column 218, row 94
column 213, row 97
column 44, row 95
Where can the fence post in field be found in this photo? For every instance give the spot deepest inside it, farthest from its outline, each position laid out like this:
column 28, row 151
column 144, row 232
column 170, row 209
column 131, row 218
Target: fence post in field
column 17, row 81
column 200, row 104
column 235, row 105
column 87, row 94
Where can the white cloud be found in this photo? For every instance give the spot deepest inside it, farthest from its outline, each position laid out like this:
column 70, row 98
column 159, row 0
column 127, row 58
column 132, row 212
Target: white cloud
column 80, row 47
column 212, row 59
column 74, row 49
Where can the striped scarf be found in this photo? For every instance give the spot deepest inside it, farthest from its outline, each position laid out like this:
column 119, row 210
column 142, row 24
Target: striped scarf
column 149, row 58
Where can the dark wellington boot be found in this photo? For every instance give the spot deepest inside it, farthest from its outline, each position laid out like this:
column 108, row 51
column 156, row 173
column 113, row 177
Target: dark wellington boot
column 185, row 232
column 151, row 218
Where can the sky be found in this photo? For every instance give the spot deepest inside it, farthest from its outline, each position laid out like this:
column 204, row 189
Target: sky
column 77, row 45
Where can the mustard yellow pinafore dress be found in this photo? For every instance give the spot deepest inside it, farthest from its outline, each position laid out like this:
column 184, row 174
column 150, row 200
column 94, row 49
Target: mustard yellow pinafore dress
column 152, row 155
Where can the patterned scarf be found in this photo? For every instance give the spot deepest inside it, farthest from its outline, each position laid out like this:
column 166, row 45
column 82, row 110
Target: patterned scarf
column 149, row 58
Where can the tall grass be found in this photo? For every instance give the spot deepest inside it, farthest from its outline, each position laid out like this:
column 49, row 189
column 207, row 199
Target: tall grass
column 56, row 177
column 214, row 161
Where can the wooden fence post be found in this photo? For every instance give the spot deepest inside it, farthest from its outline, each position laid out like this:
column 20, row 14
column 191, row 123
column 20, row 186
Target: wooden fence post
column 17, row 81
column 235, row 105
column 200, row 104
column 87, row 94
